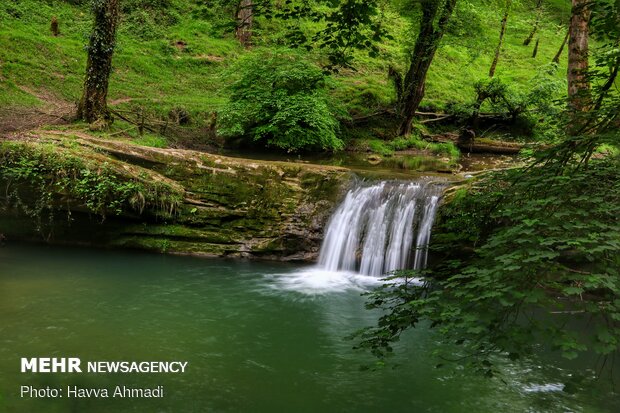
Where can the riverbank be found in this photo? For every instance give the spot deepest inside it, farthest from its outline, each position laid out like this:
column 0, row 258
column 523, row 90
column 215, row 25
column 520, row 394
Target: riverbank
column 71, row 187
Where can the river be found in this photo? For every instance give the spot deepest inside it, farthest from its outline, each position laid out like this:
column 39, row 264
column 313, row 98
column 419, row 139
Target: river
column 258, row 337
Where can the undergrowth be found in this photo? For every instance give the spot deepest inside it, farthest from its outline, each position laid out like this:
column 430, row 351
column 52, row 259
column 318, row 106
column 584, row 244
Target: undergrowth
column 41, row 179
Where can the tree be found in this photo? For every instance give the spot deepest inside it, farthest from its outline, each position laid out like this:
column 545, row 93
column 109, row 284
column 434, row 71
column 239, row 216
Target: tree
column 529, row 38
column 280, row 99
column 556, row 58
column 93, row 104
column 593, row 116
column 578, row 82
column 535, row 52
column 245, row 20
column 433, row 21
column 502, row 32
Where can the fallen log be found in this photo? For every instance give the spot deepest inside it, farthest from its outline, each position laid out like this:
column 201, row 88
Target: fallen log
column 499, row 149
column 477, row 145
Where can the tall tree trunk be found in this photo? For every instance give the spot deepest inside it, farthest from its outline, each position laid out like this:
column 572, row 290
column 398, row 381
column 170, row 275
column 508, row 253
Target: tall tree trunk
column 578, row 82
column 530, row 37
column 556, row 58
column 501, row 41
column 245, row 20
column 422, row 56
column 93, row 104
column 535, row 52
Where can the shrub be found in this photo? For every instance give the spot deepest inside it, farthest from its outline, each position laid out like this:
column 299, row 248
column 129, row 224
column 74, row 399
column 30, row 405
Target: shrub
column 147, row 19
column 282, row 100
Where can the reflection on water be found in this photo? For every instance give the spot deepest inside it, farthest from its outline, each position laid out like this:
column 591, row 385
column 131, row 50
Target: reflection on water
column 258, row 338
column 401, row 165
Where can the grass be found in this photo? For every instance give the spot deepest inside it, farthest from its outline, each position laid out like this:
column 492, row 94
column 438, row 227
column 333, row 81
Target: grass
column 154, row 141
column 463, row 60
column 415, row 142
column 154, row 73
column 182, row 64
column 389, row 148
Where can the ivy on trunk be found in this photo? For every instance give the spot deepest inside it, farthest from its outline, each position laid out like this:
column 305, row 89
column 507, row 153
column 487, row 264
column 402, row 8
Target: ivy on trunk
column 426, row 45
column 93, row 104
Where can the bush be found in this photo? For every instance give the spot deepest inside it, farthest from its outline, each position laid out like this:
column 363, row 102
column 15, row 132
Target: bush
column 282, row 100
column 529, row 257
column 147, row 19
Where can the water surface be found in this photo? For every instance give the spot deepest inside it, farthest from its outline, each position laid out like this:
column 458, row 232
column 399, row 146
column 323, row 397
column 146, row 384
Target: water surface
column 258, row 338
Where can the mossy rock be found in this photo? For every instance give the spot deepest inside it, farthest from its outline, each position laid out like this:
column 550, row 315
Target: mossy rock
column 165, row 200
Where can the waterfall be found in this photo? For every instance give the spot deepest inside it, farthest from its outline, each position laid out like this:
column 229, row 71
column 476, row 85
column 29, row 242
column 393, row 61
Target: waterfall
column 374, row 229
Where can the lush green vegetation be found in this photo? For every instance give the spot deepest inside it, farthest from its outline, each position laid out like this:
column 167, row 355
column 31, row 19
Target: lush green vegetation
column 34, row 175
column 281, row 99
column 178, row 53
column 530, row 255
column 545, row 263
column 525, row 251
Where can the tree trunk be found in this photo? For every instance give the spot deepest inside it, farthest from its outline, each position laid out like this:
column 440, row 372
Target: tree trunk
column 501, row 41
column 421, row 58
column 93, row 104
column 475, row 117
column 245, row 20
column 54, row 27
column 556, row 58
column 529, row 38
column 578, row 83
column 535, row 52
column 415, row 80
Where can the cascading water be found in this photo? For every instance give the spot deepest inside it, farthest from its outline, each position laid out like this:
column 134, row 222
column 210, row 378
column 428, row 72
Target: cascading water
column 374, row 229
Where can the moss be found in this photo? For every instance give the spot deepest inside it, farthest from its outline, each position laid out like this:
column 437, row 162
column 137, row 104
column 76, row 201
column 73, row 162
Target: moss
column 222, row 206
column 166, row 245
column 325, row 187
column 102, row 185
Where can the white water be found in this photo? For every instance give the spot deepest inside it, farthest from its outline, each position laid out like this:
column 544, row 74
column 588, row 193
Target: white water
column 381, row 228
column 377, row 229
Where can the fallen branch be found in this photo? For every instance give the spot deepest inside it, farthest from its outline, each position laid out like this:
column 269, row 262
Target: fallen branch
column 133, row 122
column 438, row 119
column 122, row 131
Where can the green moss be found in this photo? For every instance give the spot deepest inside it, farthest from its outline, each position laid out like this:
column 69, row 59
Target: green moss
column 416, row 142
column 238, row 207
column 154, row 141
column 380, row 147
column 325, row 187
column 102, row 186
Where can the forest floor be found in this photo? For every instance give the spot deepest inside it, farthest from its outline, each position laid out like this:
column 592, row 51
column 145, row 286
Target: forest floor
column 186, row 62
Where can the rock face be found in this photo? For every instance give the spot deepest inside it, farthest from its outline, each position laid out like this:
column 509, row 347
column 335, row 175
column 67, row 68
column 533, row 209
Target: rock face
column 214, row 205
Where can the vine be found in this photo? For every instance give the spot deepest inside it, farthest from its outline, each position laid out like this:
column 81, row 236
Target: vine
column 40, row 181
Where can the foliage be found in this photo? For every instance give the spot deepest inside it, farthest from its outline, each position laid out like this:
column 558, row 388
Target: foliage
column 181, row 62
column 415, row 141
column 530, row 255
column 466, row 20
column 352, row 25
column 546, row 259
column 281, row 99
column 588, row 130
column 40, row 180
column 535, row 110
